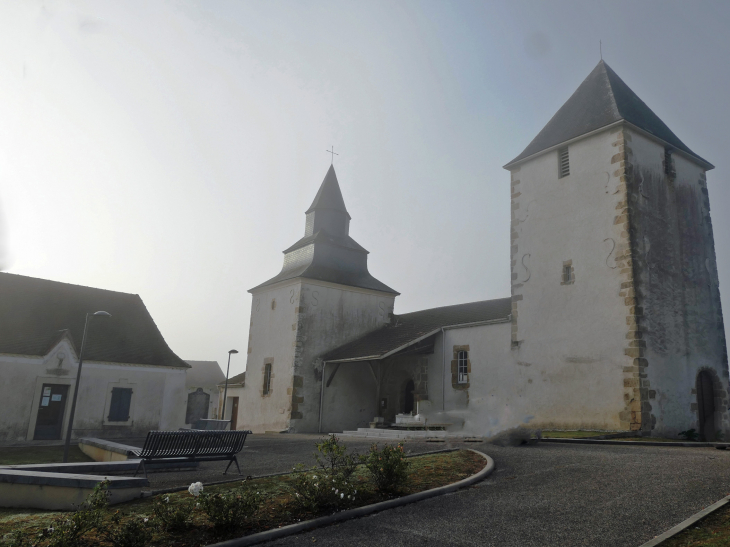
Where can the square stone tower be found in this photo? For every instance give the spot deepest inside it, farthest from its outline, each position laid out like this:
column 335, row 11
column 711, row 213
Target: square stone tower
column 614, row 277
column 323, row 297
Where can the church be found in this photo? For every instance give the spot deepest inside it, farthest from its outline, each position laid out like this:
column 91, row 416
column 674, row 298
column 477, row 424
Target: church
column 613, row 323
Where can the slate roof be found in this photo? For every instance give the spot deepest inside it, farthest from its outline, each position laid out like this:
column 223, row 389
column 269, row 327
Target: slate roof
column 33, row 312
column 329, row 195
column 408, row 328
column 234, row 380
column 602, row 99
column 333, row 257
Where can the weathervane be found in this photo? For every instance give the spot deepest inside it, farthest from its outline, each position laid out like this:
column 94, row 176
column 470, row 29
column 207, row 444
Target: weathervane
column 333, row 154
column 600, row 49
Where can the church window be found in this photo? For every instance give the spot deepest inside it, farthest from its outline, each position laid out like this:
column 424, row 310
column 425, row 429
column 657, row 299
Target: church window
column 267, row 378
column 563, row 163
column 463, row 367
column 273, row 304
column 120, row 403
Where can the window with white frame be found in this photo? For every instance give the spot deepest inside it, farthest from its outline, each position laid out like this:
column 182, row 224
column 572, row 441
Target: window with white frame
column 462, row 362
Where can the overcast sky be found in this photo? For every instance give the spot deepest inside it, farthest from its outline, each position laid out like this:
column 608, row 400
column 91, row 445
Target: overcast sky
column 170, row 149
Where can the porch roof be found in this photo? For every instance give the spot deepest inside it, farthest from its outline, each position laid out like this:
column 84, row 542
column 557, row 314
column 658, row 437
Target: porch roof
column 410, row 328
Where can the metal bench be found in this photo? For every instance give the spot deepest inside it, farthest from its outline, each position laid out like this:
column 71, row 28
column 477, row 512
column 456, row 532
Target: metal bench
column 192, row 445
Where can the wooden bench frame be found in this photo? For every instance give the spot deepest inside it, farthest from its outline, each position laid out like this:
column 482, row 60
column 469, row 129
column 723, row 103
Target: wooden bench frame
column 191, row 446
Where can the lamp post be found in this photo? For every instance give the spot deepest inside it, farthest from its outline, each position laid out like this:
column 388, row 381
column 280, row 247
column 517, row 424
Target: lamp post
column 78, row 379
column 225, row 391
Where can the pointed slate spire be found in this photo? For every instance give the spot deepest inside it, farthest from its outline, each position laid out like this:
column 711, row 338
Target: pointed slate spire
column 602, row 99
column 329, row 195
column 328, row 211
column 327, row 252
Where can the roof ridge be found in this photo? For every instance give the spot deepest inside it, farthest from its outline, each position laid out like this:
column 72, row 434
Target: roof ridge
column 451, row 306
column 21, row 276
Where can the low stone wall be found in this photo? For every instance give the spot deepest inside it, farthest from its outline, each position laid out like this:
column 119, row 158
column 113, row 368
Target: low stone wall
column 61, row 491
column 102, row 450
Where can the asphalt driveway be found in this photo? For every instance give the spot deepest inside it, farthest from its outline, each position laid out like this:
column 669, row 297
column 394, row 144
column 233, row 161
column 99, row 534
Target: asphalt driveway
column 552, row 494
column 544, row 495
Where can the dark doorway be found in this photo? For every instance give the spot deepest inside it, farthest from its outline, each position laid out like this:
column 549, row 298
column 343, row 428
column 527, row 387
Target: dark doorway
column 409, row 397
column 234, row 413
column 198, row 403
column 49, row 422
column 706, row 406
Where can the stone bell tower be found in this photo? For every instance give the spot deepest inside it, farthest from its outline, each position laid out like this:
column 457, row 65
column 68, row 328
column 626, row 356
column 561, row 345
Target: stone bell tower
column 323, row 297
column 615, row 293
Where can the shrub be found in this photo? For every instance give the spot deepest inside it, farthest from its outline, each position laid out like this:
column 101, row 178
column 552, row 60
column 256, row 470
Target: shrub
column 388, row 468
column 317, row 490
column 172, row 517
column 689, row 435
column 135, row 532
column 232, row 509
column 67, row 531
column 333, row 458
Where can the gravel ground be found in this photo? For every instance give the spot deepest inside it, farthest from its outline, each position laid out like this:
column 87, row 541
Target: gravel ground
column 543, row 495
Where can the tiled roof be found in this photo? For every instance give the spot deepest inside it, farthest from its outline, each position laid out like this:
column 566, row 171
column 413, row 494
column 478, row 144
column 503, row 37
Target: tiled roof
column 408, row 328
column 33, row 312
column 602, row 99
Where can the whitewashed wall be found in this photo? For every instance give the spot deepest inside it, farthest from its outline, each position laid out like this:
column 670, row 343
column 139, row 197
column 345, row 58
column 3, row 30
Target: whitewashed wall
column 570, row 338
column 677, row 286
column 272, row 336
column 158, row 398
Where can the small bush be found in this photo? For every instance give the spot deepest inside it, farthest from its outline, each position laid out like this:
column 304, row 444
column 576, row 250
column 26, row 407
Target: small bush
column 388, row 468
column 172, row 517
column 315, row 491
column 230, row 510
column 67, row 531
column 135, row 532
column 333, row 458
column 689, row 435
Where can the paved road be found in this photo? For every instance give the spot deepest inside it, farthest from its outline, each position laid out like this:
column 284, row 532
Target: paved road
column 544, row 495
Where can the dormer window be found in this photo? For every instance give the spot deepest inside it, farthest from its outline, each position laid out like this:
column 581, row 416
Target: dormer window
column 563, row 163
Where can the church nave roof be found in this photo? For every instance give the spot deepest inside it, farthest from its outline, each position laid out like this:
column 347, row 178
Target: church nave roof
column 407, row 329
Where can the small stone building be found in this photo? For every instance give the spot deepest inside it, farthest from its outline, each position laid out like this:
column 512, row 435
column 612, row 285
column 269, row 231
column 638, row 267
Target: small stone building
column 131, row 381
column 614, row 320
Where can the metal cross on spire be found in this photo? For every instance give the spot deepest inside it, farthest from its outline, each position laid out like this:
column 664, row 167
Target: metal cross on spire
column 333, row 154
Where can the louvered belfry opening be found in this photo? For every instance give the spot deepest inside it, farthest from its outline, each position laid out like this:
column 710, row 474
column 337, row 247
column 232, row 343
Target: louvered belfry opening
column 563, row 163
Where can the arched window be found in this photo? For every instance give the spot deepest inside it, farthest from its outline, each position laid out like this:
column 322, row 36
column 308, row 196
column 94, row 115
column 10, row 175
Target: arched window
column 462, row 360
column 267, row 378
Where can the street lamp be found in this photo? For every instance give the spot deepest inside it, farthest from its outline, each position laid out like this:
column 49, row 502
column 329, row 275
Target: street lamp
column 225, row 392
column 78, row 379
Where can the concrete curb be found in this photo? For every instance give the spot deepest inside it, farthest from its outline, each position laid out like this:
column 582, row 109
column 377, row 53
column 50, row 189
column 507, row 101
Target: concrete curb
column 686, row 523
column 292, row 529
column 630, row 443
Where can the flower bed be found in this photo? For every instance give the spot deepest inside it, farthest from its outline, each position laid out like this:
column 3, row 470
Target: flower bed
column 204, row 515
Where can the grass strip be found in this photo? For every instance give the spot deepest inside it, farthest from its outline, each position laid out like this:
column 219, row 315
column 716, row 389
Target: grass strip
column 711, row 531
